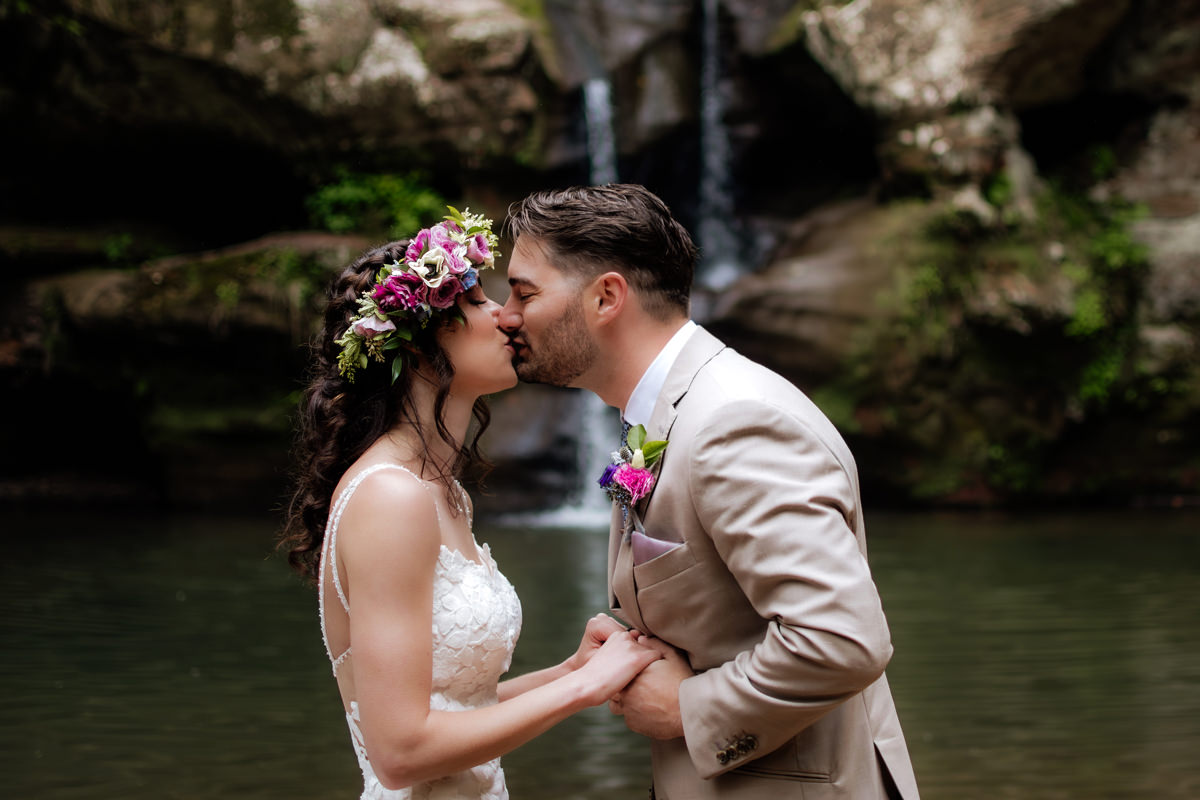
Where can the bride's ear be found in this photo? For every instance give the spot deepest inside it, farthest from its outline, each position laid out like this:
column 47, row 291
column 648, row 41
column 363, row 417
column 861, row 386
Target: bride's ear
column 610, row 293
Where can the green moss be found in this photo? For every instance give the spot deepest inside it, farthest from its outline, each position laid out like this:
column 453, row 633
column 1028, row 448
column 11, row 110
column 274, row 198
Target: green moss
column 790, row 27
column 1100, row 375
column 1103, row 162
column 534, row 10
column 983, row 387
column 999, row 190
column 70, row 21
column 1090, row 316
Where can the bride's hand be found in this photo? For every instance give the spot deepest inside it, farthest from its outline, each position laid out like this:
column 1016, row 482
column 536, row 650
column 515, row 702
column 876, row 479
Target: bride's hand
column 614, row 665
column 598, row 629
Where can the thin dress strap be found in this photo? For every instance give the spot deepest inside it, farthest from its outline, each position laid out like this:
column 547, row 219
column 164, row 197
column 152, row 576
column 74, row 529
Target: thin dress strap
column 329, row 549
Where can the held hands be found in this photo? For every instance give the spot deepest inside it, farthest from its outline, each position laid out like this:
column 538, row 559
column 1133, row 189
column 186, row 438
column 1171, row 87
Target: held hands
column 613, row 665
column 650, row 704
column 599, row 628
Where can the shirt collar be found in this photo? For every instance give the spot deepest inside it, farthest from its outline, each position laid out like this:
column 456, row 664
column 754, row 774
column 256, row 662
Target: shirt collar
column 645, row 394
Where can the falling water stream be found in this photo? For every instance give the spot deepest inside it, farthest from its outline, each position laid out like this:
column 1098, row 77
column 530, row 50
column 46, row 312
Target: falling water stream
column 586, row 506
column 718, row 241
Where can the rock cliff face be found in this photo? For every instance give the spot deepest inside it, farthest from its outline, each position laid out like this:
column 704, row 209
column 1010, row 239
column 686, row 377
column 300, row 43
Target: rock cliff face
column 971, row 228
column 375, row 74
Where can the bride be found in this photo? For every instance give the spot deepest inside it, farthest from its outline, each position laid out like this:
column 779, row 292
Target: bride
column 418, row 622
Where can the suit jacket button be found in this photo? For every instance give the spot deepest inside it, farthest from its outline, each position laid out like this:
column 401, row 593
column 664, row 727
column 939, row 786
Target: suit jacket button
column 723, row 757
column 743, row 745
column 730, row 753
column 751, row 741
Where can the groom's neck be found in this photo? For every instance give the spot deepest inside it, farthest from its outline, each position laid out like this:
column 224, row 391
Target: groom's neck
column 625, row 354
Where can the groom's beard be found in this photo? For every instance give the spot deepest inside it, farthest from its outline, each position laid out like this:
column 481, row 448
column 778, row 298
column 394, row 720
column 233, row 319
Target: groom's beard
column 560, row 354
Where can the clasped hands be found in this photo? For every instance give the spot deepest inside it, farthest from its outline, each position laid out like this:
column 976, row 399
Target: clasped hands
column 650, row 702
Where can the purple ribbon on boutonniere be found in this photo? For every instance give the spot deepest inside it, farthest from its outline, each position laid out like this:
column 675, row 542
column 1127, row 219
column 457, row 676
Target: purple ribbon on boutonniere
column 629, row 478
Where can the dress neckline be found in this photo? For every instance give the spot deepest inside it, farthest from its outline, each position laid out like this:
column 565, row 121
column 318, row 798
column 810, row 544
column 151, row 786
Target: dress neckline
column 486, row 562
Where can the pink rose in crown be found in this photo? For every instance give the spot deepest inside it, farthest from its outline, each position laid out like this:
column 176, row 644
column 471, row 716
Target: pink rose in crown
column 402, row 291
column 638, row 482
column 478, row 252
column 372, row 326
column 444, row 294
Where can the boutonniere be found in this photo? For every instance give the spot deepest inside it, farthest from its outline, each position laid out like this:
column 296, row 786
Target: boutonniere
column 628, row 478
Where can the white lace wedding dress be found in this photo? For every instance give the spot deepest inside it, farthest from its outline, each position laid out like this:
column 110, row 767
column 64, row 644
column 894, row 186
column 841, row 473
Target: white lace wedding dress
column 476, row 622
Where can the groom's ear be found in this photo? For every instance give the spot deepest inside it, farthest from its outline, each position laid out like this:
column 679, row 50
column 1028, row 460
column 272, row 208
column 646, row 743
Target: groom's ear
column 610, row 293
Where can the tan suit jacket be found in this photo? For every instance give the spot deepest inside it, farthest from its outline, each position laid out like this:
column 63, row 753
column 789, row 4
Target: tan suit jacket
column 767, row 592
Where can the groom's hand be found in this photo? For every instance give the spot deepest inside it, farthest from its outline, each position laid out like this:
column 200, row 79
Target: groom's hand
column 650, row 703
column 595, row 634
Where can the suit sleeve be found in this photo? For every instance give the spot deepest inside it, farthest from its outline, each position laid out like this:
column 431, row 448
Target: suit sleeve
column 780, row 509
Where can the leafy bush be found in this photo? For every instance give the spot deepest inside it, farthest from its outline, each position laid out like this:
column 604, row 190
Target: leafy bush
column 390, row 204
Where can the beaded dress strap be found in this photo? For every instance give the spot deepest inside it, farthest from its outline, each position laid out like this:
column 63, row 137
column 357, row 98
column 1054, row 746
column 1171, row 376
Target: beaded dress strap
column 329, row 548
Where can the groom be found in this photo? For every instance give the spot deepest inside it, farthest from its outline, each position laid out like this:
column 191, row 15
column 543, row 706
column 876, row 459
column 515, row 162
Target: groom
column 749, row 553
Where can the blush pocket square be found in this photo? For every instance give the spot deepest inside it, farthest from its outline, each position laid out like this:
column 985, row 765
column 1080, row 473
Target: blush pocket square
column 646, row 548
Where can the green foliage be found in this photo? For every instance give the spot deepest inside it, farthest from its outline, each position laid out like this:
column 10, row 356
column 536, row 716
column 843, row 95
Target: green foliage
column 1090, row 316
column 1114, row 248
column 227, row 293
column 529, row 9
column 1103, row 162
column 390, row 204
column 790, row 26
column 117, row 247
column 838, row 403
column 1100, row 375
column 999, row 190
column 997, row 340
column 26, row 8
column 925, row 286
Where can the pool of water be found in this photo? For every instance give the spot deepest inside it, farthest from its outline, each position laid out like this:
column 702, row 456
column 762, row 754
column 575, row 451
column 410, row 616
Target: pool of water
column 1044, row 656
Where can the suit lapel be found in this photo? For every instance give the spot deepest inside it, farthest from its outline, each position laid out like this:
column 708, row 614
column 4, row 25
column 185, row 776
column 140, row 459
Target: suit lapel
column 616, row 535
column 622, row 590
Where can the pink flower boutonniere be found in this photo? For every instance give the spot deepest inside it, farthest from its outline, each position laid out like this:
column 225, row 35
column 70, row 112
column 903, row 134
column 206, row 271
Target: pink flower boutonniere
column 628, row 478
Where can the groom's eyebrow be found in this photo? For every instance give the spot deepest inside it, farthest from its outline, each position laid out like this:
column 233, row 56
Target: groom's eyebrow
column 519, row 281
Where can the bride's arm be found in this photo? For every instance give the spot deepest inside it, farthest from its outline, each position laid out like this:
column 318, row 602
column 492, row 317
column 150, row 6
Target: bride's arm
column 389, row 570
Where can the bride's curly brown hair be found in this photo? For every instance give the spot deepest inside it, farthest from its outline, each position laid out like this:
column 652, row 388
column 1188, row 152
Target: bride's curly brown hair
column 338, row 420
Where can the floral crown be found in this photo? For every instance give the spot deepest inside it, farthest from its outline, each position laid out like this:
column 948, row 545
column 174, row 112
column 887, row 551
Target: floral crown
column 441, row 263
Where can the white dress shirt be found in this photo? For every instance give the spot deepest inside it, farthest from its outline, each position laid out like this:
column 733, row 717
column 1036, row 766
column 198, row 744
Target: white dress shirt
column 645, row 394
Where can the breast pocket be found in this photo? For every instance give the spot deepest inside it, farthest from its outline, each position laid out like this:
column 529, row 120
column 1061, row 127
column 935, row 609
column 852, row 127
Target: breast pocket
column 662, row 567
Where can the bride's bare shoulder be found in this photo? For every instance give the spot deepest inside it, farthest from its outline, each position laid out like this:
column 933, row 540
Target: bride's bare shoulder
column 392, row 511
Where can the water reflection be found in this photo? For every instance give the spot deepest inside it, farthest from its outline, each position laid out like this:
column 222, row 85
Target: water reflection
column 1041, row 657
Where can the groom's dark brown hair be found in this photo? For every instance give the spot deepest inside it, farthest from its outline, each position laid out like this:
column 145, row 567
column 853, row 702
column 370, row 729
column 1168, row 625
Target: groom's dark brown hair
column 587, row 230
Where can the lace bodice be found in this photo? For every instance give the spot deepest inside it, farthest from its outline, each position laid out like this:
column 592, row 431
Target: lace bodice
column 476, row 622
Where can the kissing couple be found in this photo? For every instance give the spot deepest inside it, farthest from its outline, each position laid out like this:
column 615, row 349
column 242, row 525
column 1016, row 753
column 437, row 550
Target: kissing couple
column 747, row 639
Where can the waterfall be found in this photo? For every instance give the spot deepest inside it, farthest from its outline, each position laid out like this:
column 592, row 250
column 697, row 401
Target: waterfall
column 598, row 426
column 719, row 244
column 601, row 138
